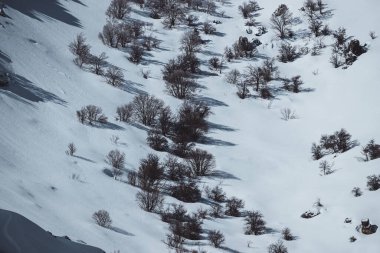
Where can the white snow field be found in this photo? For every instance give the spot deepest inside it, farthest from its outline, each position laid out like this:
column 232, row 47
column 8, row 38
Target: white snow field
column 263, row 159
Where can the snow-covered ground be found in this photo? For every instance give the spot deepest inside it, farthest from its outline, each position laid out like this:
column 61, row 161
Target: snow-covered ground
column 266, row 160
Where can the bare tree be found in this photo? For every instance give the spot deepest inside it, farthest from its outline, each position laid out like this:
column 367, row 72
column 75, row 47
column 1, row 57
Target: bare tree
column 180, row 85
column 71, row 149
column 281, row 21
column 150, row 172
column 254, row 77
column 288, row 114
column 136, row 53
column 277, row 247
column 216, row 238
column 98, row 63
column 249, row 9
column 173, row 13
column 109, row 35
column 287, row 235
column 146, row 108
column 255, row 223
column 150, row 201
column 234, row 206
column 114, row 76
column 326, row 167
column 91, row 113
column 117, row 160
column 125, row 112
column 165, row 121
column 80, row 49
column 118, row 9
column 233, row 77
column 287, row 53
column 102, row 218
column 200, row 162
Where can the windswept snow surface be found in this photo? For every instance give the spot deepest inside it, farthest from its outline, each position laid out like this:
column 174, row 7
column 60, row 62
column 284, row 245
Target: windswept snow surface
column 262, row 159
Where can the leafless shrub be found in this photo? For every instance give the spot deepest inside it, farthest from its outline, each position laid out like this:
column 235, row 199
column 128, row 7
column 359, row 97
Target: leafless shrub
column 180, row 85
column 114, row 76
column 80, row 49
column 233, row 77
column 109, row 34
column 357, row 192
column 191, row 19
column 288, row 114
column 373, row 182
column 214, row 63
column 150, row 201
column 352, row 239
column 156, row 141
column 125, row 112
column 216, row 238
column 200, row 162
column 91, row 114
column 71, row 149
column 281, row 21
column 216, row 211
column 102, row 218
column 118, row 9
column 255, row 223
column 132, row 178
column 174, row 213
column 249, row 9
column 326, row 167
column 98, row 63
column 146, row 108
column 287, row 235
column 150, row 172
column 114, row 139
column 173, row 14
column 371, row 151
column 165, row 121
column 136, row 53
column 243, row 91
column 234, row 206
column 277, row 247
column 175, row 170
column 208, row 28
column 287, row 53
column 186, row 191
column 116, row 159
column 217, row 194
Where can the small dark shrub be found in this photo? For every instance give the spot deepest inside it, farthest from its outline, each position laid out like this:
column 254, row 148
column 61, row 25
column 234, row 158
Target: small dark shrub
column 254, row 223
column 125, row 112
column 277, row 247
column 233, row 206
column 371, row 150
column 216, row 238
column 287, row 235
column 156, row 141
column 373, row 182
column 186, row 191
column 217, row 194
column 150, row 172
column 174, row 169
column 150, row 201
column 357, row 192
column 174, row 213
column 132, row 178
column 200, row 162
column 114, row 76
column 216, row 211
column 102, row 218
column 208, row 28
column 71, row 149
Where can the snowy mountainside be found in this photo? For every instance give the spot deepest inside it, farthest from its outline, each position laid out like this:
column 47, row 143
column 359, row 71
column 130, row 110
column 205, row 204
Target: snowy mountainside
column 265, row 161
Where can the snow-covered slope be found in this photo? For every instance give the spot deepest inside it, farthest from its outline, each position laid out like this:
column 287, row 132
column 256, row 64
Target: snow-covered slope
column 266, row 161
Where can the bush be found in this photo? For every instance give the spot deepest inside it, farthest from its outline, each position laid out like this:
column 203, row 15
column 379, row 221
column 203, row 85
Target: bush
column 91, row 114
column 102, row 218
column 146, row 109
column 216, row 238
column 287, row 235
column 325, row 167
column 136, row 53
column 356, row 192
column 208, row 28
column 174, row 213
column 254, row 223
column 175, row 170
column 281, row 21
column 214, row 63
column 165, row 121
column 118, row 9
column 150, row 172
column 371, row 150
column 191, row 122
column 249, row 9
column 98, row 63
column 150, row 201
column 277, row 247
column 217, row 194
column 114, row 76
column 373, row 182
column 80, row 49
column 124, row 112
column 200, row 162
column 288, row 114
column 287, row 53
column 156, row 141
column 132, row 178
column 71, row 149
column 216, row 211
column 233, row 206
column 186, row 191
column 117, row 160
column 233, row 77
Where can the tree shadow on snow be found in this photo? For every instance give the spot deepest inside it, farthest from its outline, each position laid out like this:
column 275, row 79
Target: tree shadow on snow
column 83, row 158
column 121, row 231
column 22, row 89
column 216, row 142
column 50, row 8
column 208, row 101
column 219, row 174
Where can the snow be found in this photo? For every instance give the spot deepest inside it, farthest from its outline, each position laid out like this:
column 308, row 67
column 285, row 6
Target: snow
column 267, row 161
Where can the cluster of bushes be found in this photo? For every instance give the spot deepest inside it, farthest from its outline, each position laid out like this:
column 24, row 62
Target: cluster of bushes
column 243, row 47
column 339, row 142
column 345, row 51
column 371, row 151
column 257, row 77
column 91, row 114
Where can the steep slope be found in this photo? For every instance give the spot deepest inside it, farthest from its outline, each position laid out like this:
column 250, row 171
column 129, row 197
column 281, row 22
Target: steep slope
column 263, row 159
